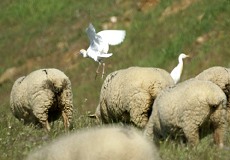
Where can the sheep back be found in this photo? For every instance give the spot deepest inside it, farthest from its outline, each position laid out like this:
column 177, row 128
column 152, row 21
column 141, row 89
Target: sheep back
column 128, row 94
column 218, row 75
column 188, row 109
column 100, row 143
column 43, row 95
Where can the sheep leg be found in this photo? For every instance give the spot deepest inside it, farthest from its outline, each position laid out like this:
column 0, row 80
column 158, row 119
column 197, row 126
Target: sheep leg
column 65, row 120
column 192, row 135
column 66, row 102
column 153, row 128
column 47, row 126
column 219, row 131
column 219, row 125
column 218, row 137
column 148, row 132
column 141, row 104
column 42, row 115
column 41, row 102
column 139, row 119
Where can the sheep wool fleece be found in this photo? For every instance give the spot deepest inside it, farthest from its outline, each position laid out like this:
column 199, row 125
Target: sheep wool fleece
column 188, row 108
column 99, row 143
column 221, row 77
column 42, row 96
column 128, row 94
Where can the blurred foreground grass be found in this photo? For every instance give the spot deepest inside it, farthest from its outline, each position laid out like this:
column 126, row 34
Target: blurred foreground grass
column 39, row 34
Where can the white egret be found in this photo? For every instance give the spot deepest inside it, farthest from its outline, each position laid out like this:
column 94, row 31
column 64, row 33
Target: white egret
column 99, row 44
column 177, row 71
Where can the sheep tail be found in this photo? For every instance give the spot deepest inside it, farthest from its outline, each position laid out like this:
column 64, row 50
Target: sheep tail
column 53, row 85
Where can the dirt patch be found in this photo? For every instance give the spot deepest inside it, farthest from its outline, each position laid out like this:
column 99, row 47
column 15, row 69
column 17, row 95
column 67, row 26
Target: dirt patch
column 65, row 61
column 145, row 5
column 176, row 7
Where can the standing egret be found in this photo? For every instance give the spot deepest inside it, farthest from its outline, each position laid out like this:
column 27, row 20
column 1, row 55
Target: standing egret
column 99, row 44
column 177, row 71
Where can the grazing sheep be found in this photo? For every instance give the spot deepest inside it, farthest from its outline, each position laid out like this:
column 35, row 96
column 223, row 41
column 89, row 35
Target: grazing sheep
column 101, row 143
column 127, row 95
column 191, row 109
column 221, row 77
column 41, row 97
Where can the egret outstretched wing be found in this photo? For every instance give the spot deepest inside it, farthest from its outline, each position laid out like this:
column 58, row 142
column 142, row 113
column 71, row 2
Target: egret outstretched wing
column 92, row 35
column 112, row 37
column 99, row 44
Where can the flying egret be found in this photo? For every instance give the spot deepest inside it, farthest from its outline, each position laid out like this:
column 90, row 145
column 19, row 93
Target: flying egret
column 177, row 71
column 99, row 44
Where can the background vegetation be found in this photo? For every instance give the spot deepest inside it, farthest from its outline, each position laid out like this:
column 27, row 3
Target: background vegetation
column 39, row 34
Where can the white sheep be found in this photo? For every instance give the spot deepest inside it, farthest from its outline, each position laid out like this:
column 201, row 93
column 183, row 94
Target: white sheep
column 128, row 94
column 187, row 110
column 100, row 143
column 42, row 97
column 221, row 77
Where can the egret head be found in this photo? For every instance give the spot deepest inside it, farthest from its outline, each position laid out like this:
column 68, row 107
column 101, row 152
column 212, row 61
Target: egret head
column 83, row 53
column 182, row 56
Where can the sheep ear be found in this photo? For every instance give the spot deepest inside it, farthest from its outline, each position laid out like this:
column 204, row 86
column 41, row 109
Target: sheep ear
column 92, row 116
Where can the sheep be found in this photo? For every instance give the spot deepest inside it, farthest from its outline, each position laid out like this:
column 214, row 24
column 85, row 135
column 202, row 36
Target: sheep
column 42, row 97
column 128, row 94
column 221, row 77
column 99, row 143
column 190, row 109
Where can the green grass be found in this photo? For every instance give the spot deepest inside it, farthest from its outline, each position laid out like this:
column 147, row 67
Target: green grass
column 38, row 34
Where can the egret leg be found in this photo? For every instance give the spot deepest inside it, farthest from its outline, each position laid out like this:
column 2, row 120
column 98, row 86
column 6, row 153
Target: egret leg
column 97, row 71
column 103, row 70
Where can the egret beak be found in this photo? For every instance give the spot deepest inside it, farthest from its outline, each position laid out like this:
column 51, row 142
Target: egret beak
column 76, row 53
column 189, row 58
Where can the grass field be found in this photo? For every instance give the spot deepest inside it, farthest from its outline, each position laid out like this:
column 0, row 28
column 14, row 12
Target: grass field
column 40, row 34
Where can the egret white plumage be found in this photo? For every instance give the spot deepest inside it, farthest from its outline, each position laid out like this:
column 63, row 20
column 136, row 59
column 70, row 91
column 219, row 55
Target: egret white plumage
column 177, row 71
column 99, row 44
